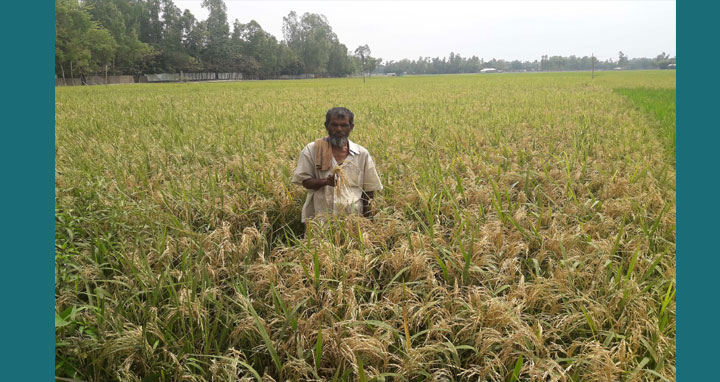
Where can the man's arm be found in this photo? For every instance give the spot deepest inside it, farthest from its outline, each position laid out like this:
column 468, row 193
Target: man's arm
column 371, row 183
column 318, row 183
column 305, row 171
column 366, row 198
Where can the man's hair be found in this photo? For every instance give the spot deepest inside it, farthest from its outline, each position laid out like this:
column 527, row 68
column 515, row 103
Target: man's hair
column 339, row 112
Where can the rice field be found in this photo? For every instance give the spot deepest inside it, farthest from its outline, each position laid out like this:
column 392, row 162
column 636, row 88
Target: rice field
column 526, row 232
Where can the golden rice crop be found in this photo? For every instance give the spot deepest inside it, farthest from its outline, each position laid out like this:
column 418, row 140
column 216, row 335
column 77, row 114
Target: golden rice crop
column 526, row 232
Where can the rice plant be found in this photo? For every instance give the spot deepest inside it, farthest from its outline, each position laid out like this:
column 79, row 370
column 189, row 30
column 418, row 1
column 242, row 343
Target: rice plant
column 526, row 232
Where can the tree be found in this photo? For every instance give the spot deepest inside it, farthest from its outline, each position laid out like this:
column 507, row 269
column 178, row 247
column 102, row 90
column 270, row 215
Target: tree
column 339, row 63
column 291, row 31
column 102, row 48
column 367, row 63
column 71, row 23
column 216, row 52
column 312, row 40
column 194, row 35
column 150, row 25
column 363, row 53
column 662, row 61
column 288, row 61
column 622, row 60
column 173, row 56
column 81, row 44
column 254, row 45
column 454, row 63
column 123, row 18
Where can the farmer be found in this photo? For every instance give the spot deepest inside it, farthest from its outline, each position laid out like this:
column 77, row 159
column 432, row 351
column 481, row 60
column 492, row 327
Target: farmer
column 338, row 173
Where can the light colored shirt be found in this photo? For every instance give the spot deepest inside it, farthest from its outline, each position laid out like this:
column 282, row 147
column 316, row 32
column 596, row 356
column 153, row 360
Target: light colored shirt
column 361, row 175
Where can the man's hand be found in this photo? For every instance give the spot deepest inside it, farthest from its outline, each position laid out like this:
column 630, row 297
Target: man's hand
column 330, row 180
column 366, row 198
column 318, row 183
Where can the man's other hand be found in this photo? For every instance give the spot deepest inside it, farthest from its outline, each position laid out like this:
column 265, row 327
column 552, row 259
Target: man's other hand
column 330, row 180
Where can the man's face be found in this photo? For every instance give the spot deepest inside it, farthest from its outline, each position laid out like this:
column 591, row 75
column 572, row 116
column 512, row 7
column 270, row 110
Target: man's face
column 339, row 130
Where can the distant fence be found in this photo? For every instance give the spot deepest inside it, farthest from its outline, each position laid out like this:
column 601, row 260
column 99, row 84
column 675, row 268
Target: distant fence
column 229, row 76
column 295, row 76
column 169, row 77
column 94, row 80
column 162, row 77
column 201, row 76
column 67, row 82
column 177, row 77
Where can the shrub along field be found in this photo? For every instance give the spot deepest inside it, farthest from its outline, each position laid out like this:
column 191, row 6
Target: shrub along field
column 526, row 232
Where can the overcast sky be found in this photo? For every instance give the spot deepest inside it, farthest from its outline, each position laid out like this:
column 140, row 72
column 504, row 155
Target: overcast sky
column 523, row 30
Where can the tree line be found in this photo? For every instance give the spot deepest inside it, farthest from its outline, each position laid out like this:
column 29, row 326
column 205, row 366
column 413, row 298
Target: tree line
column 458, row 64
column 155, row 36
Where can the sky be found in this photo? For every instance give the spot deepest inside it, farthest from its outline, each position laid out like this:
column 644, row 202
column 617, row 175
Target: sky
column 510, row 30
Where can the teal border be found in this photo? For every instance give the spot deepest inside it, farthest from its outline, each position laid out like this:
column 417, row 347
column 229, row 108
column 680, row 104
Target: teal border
column 28, row 224
column 698, row 257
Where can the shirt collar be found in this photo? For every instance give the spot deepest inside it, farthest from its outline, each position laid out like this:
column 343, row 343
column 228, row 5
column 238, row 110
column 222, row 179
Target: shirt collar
column 353, row 147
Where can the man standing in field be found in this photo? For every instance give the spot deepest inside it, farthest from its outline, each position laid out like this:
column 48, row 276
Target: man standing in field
column 338, row 173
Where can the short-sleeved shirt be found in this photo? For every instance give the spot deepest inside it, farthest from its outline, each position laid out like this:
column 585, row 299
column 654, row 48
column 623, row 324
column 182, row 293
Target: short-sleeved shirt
column 361, row 175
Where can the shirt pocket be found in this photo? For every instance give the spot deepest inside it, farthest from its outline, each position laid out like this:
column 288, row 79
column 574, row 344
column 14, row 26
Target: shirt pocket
column 353, row 173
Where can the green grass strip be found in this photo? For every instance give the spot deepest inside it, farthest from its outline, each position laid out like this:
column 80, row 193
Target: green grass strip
column 660, row 105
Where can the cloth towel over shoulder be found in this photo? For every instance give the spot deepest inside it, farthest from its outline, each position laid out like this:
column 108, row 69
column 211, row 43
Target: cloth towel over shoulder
column 323, row 155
